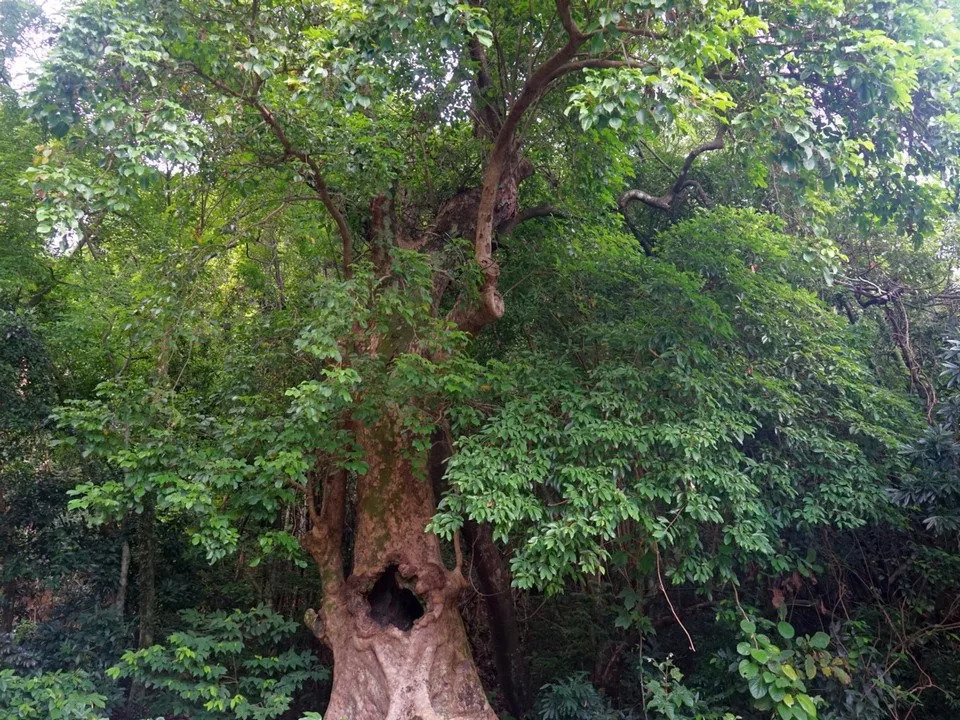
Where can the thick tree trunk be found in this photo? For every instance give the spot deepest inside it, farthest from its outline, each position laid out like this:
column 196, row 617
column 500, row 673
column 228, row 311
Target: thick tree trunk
column 399, row 646
column 493, row 578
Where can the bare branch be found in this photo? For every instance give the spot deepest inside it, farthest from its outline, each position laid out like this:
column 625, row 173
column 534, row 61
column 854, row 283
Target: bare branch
column 715, row 144
column 538, row 211
column 566, row 19
column 661, row 202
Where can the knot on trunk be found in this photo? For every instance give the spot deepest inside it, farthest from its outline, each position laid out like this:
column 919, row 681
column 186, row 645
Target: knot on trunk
column 313, row 621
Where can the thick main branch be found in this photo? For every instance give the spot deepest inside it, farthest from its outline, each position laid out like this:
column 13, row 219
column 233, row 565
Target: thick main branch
column 324, row 539
column 469, row 315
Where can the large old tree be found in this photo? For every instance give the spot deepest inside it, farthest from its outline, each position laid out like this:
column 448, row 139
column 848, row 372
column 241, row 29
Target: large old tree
column 400, row 147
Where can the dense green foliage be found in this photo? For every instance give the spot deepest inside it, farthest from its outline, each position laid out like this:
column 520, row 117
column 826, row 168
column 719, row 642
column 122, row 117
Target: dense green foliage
column 225, row 663
column 715, row 436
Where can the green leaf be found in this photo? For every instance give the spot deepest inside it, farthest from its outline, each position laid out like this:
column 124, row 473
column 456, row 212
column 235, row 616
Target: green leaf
column 786, row 630
column 807, row 704
column 820, row 640
column 757, row 687
column 748, row 627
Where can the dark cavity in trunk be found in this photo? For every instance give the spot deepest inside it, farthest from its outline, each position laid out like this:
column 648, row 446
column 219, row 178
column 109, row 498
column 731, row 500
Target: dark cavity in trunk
column 393, row 604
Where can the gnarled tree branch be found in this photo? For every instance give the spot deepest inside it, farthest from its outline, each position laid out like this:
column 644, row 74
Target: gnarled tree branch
column 869, row 293
column 665, row 201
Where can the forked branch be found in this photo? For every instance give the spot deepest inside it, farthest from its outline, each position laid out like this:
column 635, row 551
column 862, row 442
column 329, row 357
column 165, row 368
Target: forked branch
column 683, row 181
column 316, row 179
column 471, row 315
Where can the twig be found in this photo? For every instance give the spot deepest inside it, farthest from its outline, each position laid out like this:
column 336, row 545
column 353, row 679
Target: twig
column 663, row 589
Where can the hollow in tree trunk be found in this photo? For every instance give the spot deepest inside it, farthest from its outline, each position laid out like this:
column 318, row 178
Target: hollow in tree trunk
column 399, row 646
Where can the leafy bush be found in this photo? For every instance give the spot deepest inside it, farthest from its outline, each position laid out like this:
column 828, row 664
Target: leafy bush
column 776, row 676
column 666, row 696
column 49, row 696
column 575, row 698
column 222, row 665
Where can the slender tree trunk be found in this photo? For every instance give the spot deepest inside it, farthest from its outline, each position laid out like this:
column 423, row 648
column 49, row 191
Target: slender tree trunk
column 399, row 646
column 120, row 603
column 8, row 615
column 146, row 586
column 495, row 586
column 147, row 575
